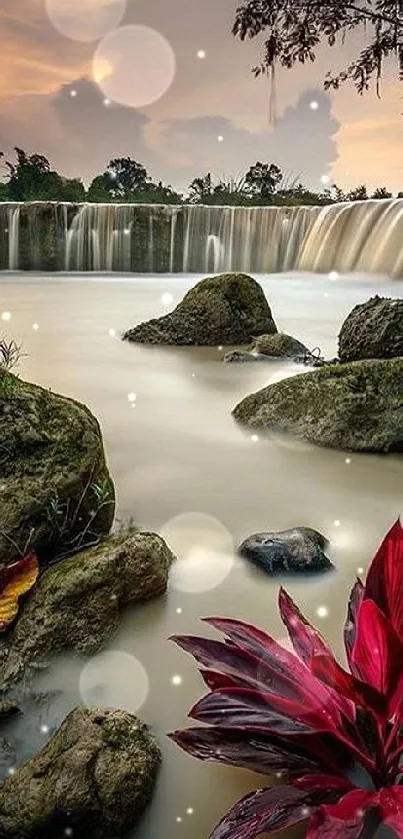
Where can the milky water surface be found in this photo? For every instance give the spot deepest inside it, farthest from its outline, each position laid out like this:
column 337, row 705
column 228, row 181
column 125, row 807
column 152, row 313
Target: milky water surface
column 182, row 467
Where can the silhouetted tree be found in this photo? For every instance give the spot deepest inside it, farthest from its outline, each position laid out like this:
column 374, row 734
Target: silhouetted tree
column 125, row 177
column 262, row 179
column 382, row 192
column 293, row 30
column 201, row 188
column 32, row 179
column 358, row 194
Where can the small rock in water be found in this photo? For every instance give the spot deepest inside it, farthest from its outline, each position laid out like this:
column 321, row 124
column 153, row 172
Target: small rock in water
column 298, row 550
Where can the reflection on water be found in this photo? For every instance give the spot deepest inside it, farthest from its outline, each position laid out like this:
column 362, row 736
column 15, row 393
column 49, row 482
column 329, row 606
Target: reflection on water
column 183, row 468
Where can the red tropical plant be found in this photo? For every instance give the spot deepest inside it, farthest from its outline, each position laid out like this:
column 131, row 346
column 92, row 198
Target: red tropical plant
column 334, row 736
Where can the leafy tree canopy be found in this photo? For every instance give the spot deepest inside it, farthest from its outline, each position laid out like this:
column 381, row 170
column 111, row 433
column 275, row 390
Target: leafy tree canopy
column 293, row 30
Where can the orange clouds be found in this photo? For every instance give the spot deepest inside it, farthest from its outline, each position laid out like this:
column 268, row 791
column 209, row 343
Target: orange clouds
column 34, row 59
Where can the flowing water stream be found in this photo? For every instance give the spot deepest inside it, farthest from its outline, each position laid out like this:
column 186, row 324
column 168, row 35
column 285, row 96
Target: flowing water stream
column 183, row 468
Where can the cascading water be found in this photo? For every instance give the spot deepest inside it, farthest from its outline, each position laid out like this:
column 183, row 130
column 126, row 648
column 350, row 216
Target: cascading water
column 364, row 236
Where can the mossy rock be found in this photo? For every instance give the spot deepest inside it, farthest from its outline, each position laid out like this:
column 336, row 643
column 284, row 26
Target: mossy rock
column 54, row 481
column 94, row 779
column 373, row 329
column 78, row 602
column 227, row 309
column 278, row 346
column 356, row 407
column 269, row 348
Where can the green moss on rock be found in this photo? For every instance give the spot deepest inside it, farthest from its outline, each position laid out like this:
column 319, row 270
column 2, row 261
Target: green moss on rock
column 94, row 777
column 356, row 407
column 227, row 309
column 373, row 329
column 77, row 603
column 54, row 481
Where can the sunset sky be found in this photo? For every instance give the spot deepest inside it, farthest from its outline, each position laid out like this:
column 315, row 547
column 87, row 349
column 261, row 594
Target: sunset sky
column 214, row 115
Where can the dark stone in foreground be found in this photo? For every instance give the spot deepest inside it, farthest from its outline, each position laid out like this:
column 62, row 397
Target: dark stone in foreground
column 227, row 309
column 299, row 550
column 355, row 407
column 373, row 330
column 94, row 778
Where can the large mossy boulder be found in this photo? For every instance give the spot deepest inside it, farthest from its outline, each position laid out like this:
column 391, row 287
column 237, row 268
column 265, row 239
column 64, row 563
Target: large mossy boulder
column 77, row 603
column 93, row 779
column 55, row 489
column 357, row 407
column 227, row 309
column 373, row 330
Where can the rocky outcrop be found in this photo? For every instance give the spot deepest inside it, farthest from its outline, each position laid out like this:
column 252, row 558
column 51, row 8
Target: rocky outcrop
column 279, row 346
column 300, row 550
column 77, row 603
column 356, row 407
column 227, row 309
column 373, row 330
column 55, row 489
column 271, row 347
column 93, row 780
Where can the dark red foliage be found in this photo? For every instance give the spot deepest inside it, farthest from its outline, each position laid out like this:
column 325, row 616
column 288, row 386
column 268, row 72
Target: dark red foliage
column 334, row 736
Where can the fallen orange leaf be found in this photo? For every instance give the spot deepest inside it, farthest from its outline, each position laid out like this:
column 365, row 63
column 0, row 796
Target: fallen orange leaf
column 16, row 580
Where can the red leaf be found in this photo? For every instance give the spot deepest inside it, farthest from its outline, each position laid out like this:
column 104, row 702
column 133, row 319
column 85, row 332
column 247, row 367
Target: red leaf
column 258, row 752
column 384, row 583
column 390, row 805
column 290, row 677
column 378, row 651
column 343, row 820
column 306, row 640
column 249, row 709
column 350, row 626
column 266, row 809
column 326, row 668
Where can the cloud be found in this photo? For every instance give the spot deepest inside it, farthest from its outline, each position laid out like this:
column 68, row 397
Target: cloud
column 302, row 143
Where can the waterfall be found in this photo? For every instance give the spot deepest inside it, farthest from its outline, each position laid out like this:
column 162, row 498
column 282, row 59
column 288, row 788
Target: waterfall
column 365, row 236
column 13, row 230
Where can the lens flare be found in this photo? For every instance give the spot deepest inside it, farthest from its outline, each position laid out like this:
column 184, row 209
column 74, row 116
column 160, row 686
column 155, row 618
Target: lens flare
column 134, row 66
column 85, row 20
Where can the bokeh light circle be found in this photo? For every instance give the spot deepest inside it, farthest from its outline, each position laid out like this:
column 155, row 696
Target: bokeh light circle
column 134, row 66
column 204, row 549
column 85, row 20
column 114, row 679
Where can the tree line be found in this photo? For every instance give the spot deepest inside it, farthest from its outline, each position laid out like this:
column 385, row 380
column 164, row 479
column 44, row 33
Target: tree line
column 31, row 178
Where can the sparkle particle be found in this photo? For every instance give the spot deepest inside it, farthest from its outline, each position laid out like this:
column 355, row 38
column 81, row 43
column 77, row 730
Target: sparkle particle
column 314, row 105
column 201, row 53
column 176, row 681
column 6, row 315
column 132, row 397
column 322, row 611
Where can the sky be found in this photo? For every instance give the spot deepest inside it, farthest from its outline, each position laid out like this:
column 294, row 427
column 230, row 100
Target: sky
column 83, row 102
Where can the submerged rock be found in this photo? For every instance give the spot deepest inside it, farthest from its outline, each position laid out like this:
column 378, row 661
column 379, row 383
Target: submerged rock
column 279, row 346
column 54, row 481
column 272, row 347
column 227, row 309
column 77, row 603
column 356, row 407
column 373, row 329
column 93, row 779
column 288, row 551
